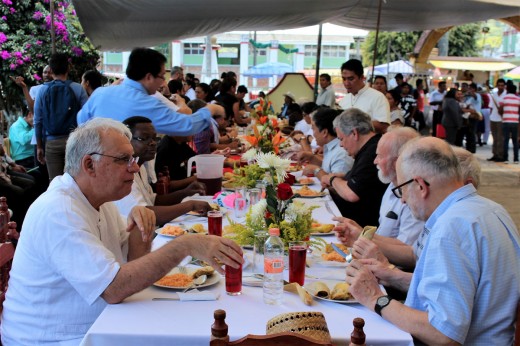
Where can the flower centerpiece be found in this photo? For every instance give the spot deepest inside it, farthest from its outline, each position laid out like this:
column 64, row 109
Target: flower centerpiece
column 278, row 209
column 266, row 135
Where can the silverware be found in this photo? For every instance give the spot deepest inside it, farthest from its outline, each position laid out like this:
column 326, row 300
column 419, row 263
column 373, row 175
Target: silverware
column 165, row 299
column 261, row 276
column 196, row 282
column 347, row 258
column 329, row 209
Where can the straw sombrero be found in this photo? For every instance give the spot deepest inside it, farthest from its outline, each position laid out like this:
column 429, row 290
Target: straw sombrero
column 311, row 324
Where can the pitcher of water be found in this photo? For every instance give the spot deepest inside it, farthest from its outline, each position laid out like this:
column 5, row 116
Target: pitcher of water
column 209, row 171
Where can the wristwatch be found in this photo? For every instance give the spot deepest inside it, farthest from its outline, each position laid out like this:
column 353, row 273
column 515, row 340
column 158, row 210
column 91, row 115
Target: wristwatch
column 316, row 171
column 332, row 179
column 381, row 303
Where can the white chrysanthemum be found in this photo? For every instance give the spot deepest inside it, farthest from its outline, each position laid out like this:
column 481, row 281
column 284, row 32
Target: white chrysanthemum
column 272, row 161
column 249, row 155
column 258, row 210
column 296, row 209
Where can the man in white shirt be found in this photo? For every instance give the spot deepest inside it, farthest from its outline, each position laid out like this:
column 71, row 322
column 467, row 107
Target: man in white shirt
column 166, row 207
column 361, row 96
column 497, row 97
column 76, row 255
column 327, row 97
column 436, row 98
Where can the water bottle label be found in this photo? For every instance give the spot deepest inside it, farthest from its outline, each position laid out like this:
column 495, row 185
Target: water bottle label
column 273, row 266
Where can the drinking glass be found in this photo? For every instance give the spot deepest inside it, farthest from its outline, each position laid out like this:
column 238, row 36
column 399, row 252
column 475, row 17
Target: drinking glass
column 215, row 223
column 240, row 207
column 297, row 255
column 233, row 280
column 254, row 196
column 258, row 251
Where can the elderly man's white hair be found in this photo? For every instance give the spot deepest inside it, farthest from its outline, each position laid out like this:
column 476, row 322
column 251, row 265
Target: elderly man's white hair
column 86, row 139
column 469, row 166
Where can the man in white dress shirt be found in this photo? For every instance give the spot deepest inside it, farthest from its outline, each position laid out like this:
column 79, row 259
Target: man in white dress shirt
column 76, row 254
column 363, row 97
column 144, row 142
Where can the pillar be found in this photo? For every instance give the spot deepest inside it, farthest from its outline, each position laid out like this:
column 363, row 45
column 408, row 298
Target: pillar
column 244, row 59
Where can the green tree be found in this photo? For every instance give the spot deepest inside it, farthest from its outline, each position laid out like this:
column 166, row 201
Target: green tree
column 25, row 45
column 462, row 42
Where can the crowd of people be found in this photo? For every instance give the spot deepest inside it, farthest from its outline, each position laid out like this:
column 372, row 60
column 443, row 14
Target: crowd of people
column 448, row 257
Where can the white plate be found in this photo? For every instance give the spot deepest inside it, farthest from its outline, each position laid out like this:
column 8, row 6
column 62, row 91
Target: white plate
column 318, row 234
column 211, row 280
column 158, row 231
column 330, row 284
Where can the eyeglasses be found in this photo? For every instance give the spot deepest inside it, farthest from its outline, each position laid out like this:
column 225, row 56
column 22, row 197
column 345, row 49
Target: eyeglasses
column 147, row 141
column 129, row 160
column 161, row 77
column 398, row 192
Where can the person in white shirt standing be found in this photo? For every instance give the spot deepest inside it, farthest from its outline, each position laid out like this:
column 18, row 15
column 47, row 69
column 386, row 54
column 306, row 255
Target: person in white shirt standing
column 327, row 97
column 361, row 96
column 496, row 121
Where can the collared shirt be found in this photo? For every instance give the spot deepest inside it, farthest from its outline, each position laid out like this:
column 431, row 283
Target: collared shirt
column 20, row 134
column 327, row 97
column 130, row 98
column 468, row 276
column 335, row 158
column 436, row 96
column 370, row 101
column 396, row 219
column 474, row 102
column 67, row 255
column 303, row 127
column 141, row 194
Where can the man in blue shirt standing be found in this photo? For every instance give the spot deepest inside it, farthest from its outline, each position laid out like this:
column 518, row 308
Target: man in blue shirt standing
column 145, row 74
column 466, row 283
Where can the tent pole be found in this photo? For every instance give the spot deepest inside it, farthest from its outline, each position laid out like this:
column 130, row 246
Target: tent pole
column 53, row 33
column 318, row 61
column 377, row 39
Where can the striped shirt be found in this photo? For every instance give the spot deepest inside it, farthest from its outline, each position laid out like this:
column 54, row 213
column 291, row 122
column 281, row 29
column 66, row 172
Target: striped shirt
column 511, row 105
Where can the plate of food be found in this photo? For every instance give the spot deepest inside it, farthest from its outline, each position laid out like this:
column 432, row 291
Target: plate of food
column 214, row 206
column 306, row 192
column 304, row 181
column 172, row 231
column 322, row 229
column 331, row 291
column 330, row 258
column 176, row 280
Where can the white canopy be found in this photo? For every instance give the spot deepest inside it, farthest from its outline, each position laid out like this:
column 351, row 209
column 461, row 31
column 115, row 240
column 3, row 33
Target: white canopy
column 117, row 25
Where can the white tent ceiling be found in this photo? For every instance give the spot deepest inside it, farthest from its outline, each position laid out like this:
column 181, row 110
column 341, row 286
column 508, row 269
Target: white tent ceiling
column 118, row 25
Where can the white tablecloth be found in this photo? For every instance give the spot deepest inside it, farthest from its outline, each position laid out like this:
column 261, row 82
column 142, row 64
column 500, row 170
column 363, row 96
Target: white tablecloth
column 141, row 321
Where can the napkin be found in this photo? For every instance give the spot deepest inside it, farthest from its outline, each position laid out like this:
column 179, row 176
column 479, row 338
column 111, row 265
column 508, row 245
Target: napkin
column 296, row 288
column 198, row 295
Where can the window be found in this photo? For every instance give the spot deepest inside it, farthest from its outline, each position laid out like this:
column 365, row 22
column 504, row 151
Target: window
column 327, row 51
column 193, row 49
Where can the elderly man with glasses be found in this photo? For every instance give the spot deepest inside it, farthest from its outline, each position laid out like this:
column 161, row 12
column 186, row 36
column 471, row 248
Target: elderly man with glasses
column 76, row 254
column 466, row 284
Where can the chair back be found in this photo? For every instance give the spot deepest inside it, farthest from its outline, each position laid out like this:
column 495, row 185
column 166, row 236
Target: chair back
column 517, row 325
column 219, row 336
column 7, row 232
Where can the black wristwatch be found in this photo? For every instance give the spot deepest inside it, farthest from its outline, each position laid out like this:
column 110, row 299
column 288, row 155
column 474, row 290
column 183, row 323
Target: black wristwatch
column 381, row 303
column 332, row 179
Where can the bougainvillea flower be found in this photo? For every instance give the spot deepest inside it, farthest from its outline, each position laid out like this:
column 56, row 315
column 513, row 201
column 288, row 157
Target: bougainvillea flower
column 3, row 38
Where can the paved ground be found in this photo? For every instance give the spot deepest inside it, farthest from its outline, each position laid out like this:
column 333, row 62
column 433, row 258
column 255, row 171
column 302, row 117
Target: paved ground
column 500, row 182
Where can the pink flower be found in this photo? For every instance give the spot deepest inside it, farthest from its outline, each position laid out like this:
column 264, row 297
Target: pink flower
column 39, row 43
column 12, row 66
column 19, row 62
column 18, row 54
column 39, row 56
column 28, row 45
column 12, row 10
column 38, row 15
column 73, row 12
column 27, row 58
column 5, row 55
column 4, row 18
column 35, row 76
column 7, row 2
column 77, row 51
column 3, row 38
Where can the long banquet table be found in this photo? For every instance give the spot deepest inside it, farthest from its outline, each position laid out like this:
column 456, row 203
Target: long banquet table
column 141, row 321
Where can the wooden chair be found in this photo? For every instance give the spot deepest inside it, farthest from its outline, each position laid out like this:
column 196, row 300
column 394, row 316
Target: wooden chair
column 7, row 233
column 219, row 336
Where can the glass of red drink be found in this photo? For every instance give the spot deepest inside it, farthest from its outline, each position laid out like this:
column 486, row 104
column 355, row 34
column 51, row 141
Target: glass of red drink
column 233, row 280
column 215, row 222
column 297, row 255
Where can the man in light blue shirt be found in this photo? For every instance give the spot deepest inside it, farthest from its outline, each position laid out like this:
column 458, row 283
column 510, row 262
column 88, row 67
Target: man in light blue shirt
column 145, row 74
column 335, row 160
column 20, row 134
column 466, row 284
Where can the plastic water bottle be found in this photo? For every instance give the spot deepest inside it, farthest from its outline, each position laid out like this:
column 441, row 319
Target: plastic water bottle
column 273, row 268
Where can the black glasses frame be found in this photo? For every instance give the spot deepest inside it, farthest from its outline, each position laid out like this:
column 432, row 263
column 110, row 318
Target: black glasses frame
column 398, row 192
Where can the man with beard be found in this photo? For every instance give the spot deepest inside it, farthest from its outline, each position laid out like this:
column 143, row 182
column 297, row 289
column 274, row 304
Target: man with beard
column 466, row 284
column 166, row 207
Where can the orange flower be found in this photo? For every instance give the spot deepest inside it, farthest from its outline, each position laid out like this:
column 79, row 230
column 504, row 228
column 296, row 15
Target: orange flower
column 252, row 140
column 275, row 122
column 263, row 120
